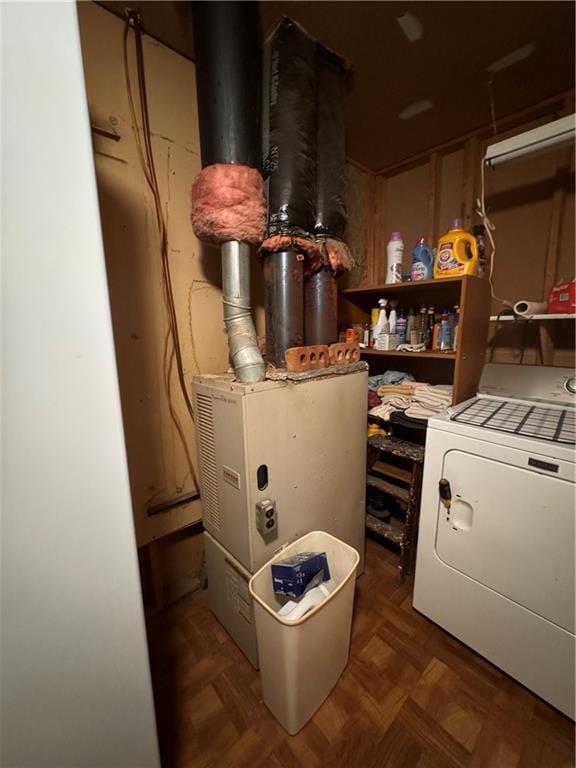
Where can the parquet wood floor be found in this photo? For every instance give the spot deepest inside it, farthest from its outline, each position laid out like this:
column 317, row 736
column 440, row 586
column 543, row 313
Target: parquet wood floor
column 411, row 697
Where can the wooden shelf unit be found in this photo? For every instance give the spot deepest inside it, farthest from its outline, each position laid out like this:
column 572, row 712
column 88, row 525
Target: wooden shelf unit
column 428, row 354
column 462, row 368
column 402, row 483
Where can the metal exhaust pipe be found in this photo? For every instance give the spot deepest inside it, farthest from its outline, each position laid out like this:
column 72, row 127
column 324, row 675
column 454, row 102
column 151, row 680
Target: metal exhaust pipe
column 244, row 352
column 321, row 308
column 284, row 304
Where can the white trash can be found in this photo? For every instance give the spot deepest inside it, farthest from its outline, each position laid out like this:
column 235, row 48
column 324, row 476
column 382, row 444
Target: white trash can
column 302, row 660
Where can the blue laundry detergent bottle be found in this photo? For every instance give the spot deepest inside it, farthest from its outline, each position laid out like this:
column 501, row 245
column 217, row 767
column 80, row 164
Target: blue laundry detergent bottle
column 422, row 261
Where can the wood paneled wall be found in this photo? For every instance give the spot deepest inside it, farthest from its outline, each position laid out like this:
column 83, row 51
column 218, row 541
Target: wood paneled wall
column 360, row 195
column 531, row 203
column 157, row 457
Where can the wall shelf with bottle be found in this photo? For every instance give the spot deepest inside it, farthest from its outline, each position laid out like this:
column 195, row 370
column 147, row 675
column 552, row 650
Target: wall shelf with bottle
column 461, row 367
column 519, row 319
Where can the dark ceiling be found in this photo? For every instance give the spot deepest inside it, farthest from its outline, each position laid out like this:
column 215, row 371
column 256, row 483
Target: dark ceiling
column 446, row 65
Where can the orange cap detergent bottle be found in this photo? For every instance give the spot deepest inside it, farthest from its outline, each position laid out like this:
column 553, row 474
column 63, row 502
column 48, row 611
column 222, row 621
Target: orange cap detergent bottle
column 457, row 252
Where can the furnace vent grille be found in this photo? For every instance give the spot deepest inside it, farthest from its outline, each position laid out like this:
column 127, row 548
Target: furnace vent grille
column 208, row 474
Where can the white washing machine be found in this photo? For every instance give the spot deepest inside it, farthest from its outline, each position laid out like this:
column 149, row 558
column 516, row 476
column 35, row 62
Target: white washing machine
column 495, row 564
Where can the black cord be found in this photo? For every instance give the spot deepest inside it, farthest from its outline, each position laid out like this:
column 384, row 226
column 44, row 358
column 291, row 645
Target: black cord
column 148, row 165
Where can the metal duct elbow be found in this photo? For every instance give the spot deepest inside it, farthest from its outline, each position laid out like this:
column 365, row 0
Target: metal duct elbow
column 244, row 352
column 228, row 73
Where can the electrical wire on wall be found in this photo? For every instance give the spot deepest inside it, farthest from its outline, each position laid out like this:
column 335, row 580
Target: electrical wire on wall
column 173, row 350
column 489, row 227
column 481, row 201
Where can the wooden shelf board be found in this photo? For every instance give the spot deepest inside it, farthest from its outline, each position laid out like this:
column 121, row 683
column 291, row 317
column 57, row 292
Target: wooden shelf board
column 398, row 447
column 406, row 287
column 428, row 354
column 393, row 533
column 507, row 318
column 383, row 468
column 379, row 484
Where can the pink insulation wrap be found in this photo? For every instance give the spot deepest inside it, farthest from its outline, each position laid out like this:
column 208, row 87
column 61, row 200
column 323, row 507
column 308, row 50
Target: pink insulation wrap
column 317, row 253
column 311, row 250
column 338, row 255
column 228, row 203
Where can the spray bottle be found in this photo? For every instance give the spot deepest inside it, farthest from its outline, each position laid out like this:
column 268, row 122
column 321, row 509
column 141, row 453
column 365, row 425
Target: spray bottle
column 401, row 325
column 382, row 326
column 445, row 332
column 393, row 317
column 409, row 324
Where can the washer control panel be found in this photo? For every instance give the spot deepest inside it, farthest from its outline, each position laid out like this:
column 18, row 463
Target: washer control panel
column 540, row 383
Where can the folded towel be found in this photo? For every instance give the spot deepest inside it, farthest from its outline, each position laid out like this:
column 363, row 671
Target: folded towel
column 432, row 401
column 417, row 411
column 396, row 389
column 384, row 410
column 389, row 377
column 441, row 390
column 429, row 400
column 417, row 399
column 440, row 394
column 411, row 348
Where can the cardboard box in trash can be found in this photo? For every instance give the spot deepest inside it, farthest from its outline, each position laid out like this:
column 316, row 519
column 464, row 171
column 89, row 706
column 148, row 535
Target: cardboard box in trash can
column 292, row 575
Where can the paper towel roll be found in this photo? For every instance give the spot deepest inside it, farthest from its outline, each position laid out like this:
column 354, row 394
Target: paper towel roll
column 529, row 308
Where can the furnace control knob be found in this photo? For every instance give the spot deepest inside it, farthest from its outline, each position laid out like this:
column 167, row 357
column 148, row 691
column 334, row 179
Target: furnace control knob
column 570, row 385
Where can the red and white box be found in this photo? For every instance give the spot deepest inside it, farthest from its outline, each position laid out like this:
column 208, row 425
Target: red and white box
column 562, row 299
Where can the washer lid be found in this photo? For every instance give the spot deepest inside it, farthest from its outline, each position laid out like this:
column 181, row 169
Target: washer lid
column 539, row 383
column 556, row 425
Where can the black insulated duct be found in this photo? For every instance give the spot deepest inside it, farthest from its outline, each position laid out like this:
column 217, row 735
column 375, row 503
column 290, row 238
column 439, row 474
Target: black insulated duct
column 228, row 81
column 304, row 127
column 321, row 294
column 292, row 131
column 330, row 209
column 290, row 141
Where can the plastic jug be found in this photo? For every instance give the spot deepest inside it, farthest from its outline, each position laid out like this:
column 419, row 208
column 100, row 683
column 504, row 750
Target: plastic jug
column 422, row 261
column 457, row 252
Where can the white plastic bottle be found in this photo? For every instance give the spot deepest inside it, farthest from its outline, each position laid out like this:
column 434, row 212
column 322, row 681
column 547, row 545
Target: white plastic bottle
column 394, row 255
column 392, row 317
column 382, row 327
